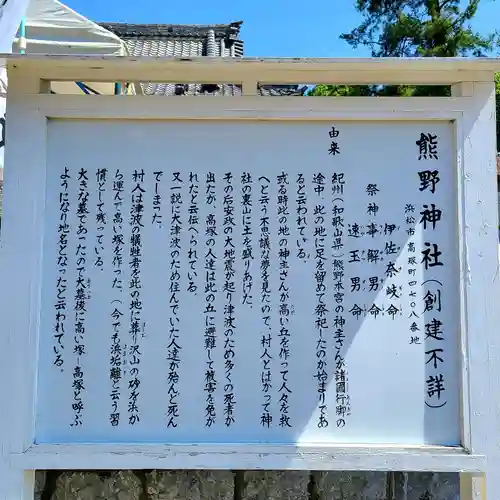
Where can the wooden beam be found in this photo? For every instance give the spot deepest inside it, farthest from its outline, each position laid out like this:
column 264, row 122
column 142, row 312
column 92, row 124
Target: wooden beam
column 472, row 486
column 266, row 71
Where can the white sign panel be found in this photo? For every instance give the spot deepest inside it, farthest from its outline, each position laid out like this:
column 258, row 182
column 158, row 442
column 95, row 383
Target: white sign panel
column 250, row 282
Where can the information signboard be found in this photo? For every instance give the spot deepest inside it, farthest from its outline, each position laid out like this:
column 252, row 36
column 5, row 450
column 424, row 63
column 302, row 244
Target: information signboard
column 229, row 283
column 197, row 287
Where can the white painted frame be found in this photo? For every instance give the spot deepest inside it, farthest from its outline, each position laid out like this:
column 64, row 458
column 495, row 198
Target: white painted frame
column 471, row 109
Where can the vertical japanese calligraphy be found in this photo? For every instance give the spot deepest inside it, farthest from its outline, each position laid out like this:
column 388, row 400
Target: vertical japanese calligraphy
column 229, row 289
column 285, row 309
column 116, row 350
column 247, row 233
column 293, row 291
column 81, row 296
column 266, row 417
column 342, row 398
column 391, row 250
column 136, row 329
column 61, row 303
column 301, row 216
column 432, row 286
column 101, row 217
column 193, row 231
column 157, row 217
column 334, row 148
column 412, row 263
column 210, row 310
column 174, row 347
column 321, row 310
column 427, row 146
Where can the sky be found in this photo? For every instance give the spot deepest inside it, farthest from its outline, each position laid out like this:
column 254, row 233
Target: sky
column 277, row 28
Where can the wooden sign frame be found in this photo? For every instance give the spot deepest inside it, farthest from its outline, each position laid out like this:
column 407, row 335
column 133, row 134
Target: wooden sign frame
column 472, row 110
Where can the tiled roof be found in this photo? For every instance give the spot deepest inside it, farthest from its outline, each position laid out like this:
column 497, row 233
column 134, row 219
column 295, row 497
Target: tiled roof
column 171, row 40
column 128, row 30
column 160, row 40
column 227, row 90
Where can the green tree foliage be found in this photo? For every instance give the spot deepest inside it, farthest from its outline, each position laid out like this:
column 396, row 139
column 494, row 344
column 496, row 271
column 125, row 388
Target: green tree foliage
column 419, row 28
column 414, row 28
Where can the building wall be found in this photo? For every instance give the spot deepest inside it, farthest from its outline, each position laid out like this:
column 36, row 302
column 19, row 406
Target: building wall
column 251, row 485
